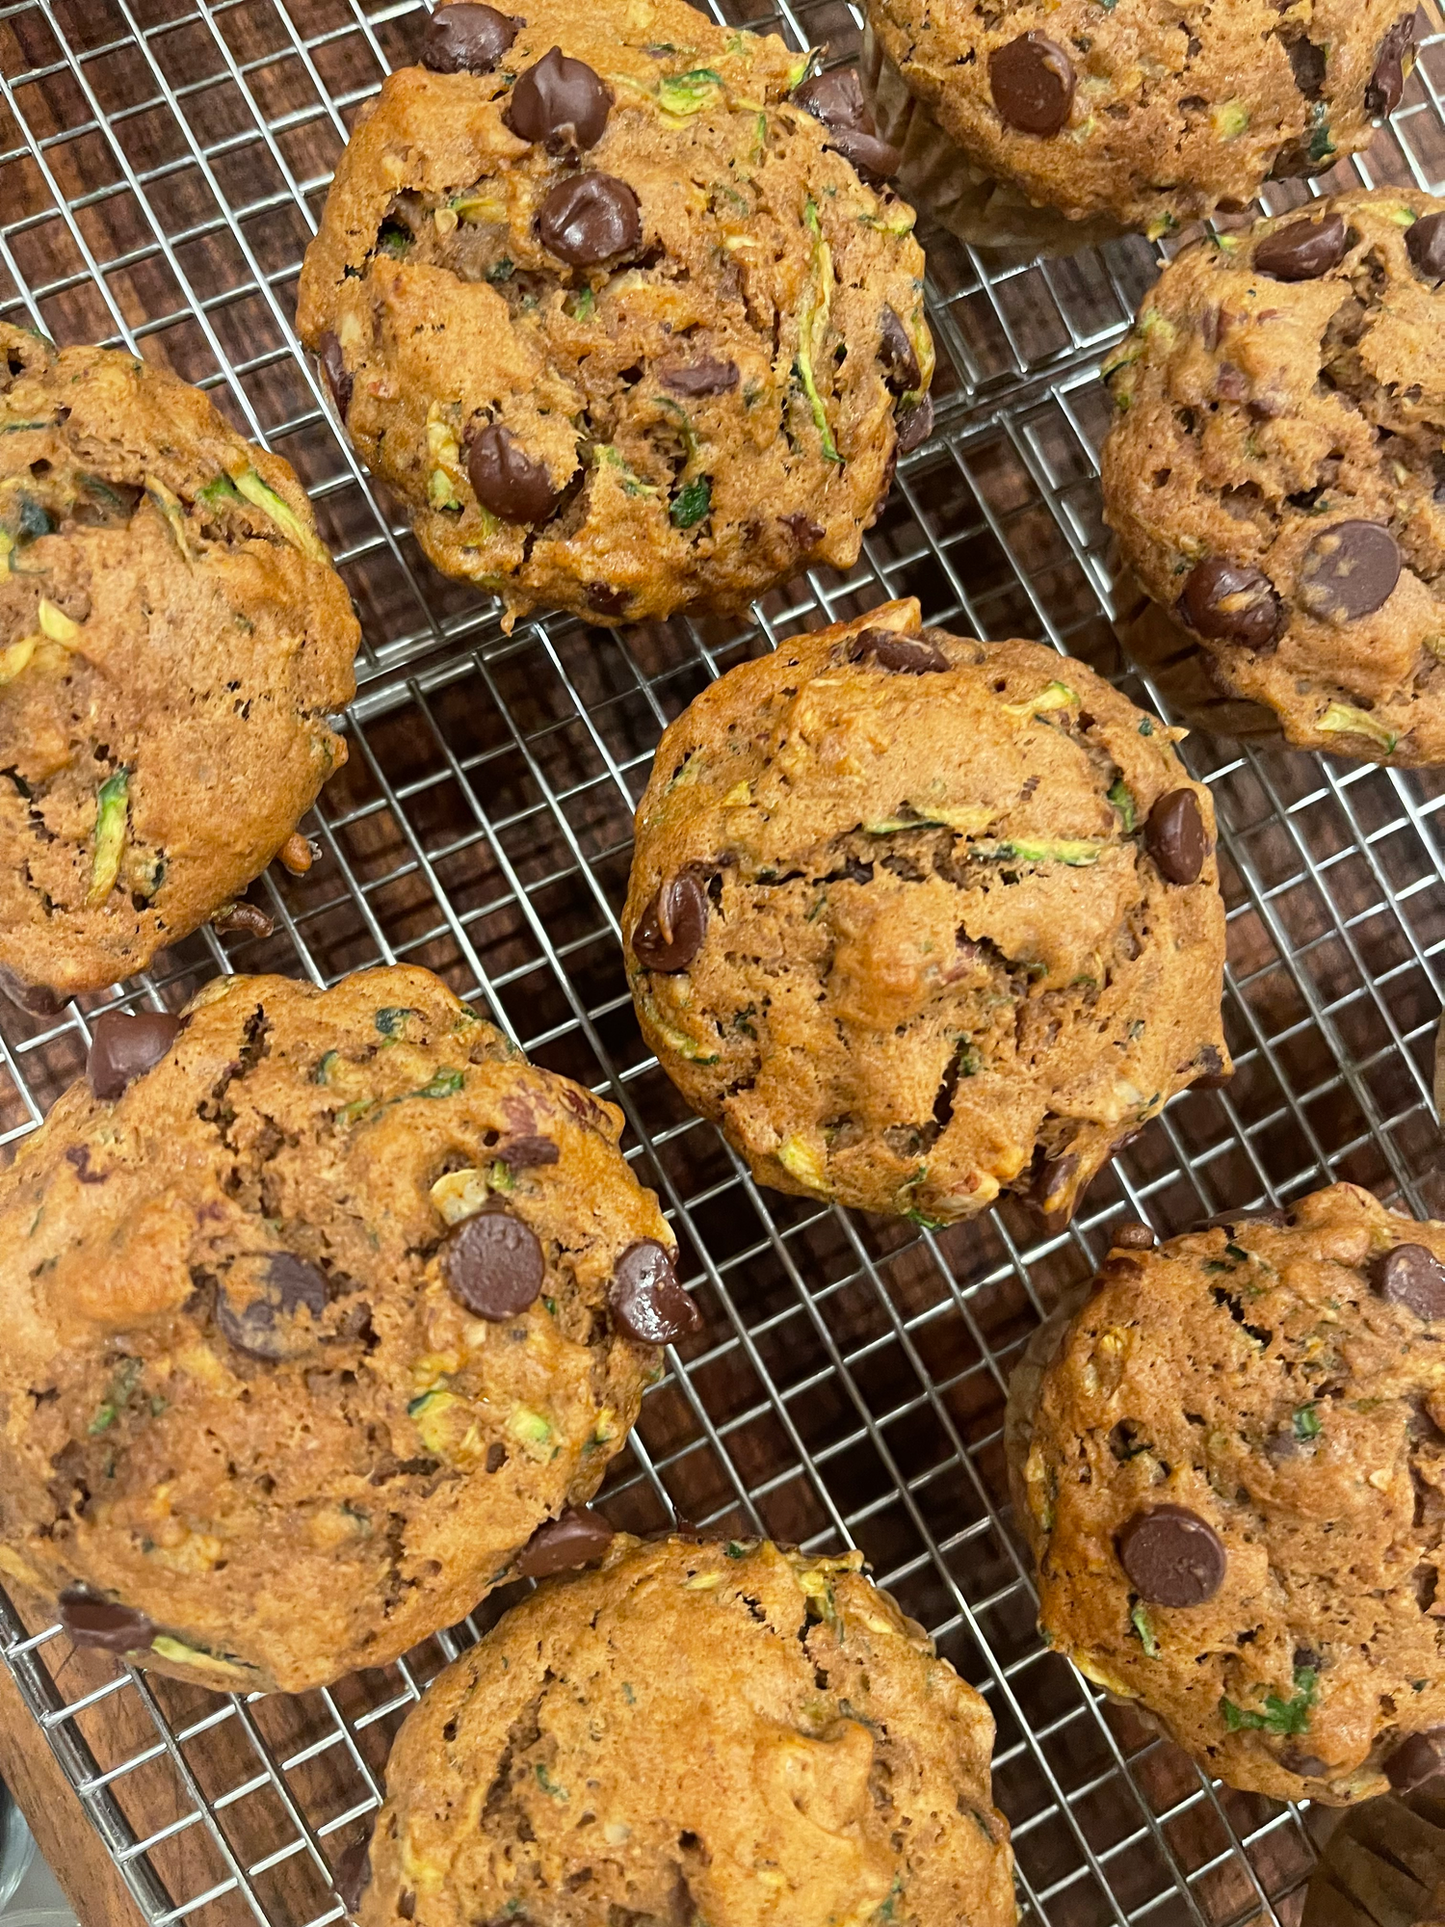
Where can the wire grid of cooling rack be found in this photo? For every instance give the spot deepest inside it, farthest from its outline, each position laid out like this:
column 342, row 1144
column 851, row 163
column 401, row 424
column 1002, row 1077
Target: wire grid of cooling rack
column 162, row 165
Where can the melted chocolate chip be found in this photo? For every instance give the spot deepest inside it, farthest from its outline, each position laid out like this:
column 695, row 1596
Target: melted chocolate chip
column 351, row 1876
column 836, row 98
column 493, row 1264
column 1174, row 836
column 103, row 1624
column 125, row 1045
column 467, row 39
column 605, row 600
column 1032, row 81
column 914, row 425
column 589, row 218
column 1416, row 1760
column 802, row 528
column 257, row 1320
column 1413, row 1277
column 576, row 1538
column 703, row 377
column 1387, row 82
column 904, row 655
column 38, row 999
column 560, row 102
column 525, row 1153
column 897, row 353
column 1308, row 63
column 1051, row 1185
column 1172, row 1556
column 1133, row 1236
column 1231, row 602
column 670, row 931
column 1304, row 250
column 646, row 1299
column 1209, row 1071
column 338, row 375
column 506, row 480
column 1425, row 244
column 1348, row 571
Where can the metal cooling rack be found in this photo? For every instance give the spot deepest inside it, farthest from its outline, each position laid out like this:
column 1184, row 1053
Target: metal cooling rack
column 162, row 166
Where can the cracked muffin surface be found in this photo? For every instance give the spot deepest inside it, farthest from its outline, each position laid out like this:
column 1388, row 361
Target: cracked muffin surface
column 722, row 1732
column 1276, row 469
column 173, row 640
column 918, row 920
column 1230, row 1468
column 1127, row 116
column 311, row 1312
column 610, row 311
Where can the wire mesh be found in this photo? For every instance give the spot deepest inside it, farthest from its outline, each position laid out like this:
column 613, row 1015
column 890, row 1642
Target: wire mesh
column 162, row 166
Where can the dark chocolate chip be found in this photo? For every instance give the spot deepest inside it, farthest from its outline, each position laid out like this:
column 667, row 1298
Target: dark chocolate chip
column 523, row 1153
column 670, row 931
column 351, row 1876
column 1209, row 1071
column 1133, row 1236
column 1413, row 1277
column 1349, row 570
column 1032, row 81
column 333, row 366
column 575, row 1539
column 560, row 102
column 1172, row 1556
column 904, row 655
column 606, row 600
column 873, row 159
column 914, row 424
column 706, row 376
column 836, row 98
column 646, row 1299
column 1387, row 82
column 1231, row 602
column 1304, row 250
column 104, row 1624
column 897, row 353
column 1121, row 1269
column 244, row 920
column 406, row 1906
column 1051, row 1185
column 1309, row 1766
column 589, row 218
column 79, row 1156
column 1416, row 1760
column 493, row 1264
column 506, row 480
column 467, row 39
column 38, row 999
column 125, row 1045
column 1174, row 837
column 1425, row 244
column 1308, row 63
column 282, row 1284
column 802, row 528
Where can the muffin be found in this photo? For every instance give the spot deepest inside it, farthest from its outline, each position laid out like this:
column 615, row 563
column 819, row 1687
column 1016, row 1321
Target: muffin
column 318, row 1305
column 175, row 641
column 1230, row 1469
column 732, row 1733
column 1053, row 126
column 1273, row 475
column 1384, row 1865
column 919, row 920
column 604, row 301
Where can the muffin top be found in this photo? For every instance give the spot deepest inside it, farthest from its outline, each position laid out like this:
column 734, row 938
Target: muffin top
column 1149, row 116
column 731, row 1733
column 919, row 919
column 1275, row 470
column 317, row 1305
column 1232, row 1477
column 601, row 298
column 173, row 638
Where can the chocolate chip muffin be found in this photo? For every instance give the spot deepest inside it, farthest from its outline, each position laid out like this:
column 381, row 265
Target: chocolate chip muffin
column 1056, row 125
column 1384, row 1865
column 1230, row 1468
column 603, row 296
column 317, row 1305
column 732, row 1733
column 918, row 920
column 173, row 640
column 1276, row 479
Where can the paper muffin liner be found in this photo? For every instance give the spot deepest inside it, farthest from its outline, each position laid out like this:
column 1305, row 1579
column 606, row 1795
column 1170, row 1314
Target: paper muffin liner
column 940, row 180
column 1182, row 670
column 1384, row 1864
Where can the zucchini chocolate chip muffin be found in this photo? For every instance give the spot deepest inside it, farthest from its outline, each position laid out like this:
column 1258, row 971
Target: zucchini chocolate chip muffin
column 173, row 639
column 1057, row 125
column 317, row 1306
column 917, row 920
column 730, row 1733
column 1230, row 1467
column 601, row 296
column 1276, row 477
